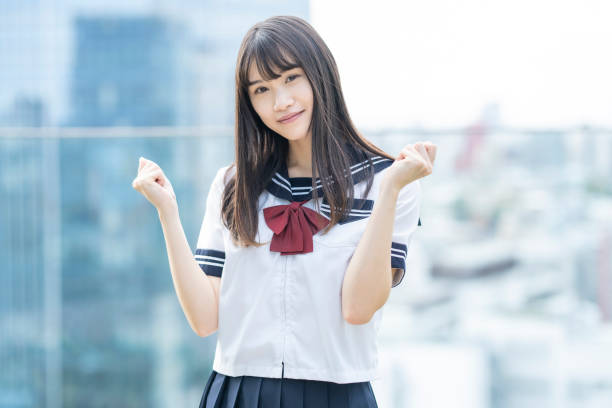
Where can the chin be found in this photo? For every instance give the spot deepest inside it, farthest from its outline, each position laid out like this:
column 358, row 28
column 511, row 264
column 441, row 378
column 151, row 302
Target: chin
column 295, row 137
column 292, row 134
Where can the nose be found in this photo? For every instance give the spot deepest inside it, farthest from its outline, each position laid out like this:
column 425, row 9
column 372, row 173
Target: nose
column 283, row 100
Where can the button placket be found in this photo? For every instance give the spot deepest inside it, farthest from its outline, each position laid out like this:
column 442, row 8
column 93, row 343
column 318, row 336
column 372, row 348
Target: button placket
column 284, row 314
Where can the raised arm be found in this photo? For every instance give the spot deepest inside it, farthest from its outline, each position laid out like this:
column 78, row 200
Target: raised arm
column 369, row 275
column 197, row 292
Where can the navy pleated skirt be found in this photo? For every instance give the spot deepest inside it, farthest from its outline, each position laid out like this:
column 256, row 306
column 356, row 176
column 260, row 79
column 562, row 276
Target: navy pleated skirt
column 223, row 391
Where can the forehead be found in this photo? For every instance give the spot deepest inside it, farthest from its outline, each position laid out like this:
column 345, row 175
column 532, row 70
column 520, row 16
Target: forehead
column 254, row 73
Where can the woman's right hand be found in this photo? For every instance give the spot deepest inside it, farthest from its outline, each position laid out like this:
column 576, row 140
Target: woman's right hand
column 152, row 183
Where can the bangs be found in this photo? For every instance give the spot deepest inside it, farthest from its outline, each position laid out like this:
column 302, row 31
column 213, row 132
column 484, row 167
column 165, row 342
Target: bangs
column 271, row 56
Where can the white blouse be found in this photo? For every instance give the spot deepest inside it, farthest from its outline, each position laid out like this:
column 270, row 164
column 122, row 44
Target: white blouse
column 280, row 315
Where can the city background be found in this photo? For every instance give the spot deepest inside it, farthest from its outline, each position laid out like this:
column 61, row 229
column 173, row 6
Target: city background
column 507, row 299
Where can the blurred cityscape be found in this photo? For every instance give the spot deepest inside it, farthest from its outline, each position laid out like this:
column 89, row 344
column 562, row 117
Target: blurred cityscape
column 508, row 297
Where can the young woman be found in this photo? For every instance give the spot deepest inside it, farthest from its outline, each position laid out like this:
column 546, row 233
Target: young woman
column 303, row 237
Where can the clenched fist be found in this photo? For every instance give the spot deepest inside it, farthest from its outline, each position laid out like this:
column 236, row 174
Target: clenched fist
column 152, row 183
column 414, row 162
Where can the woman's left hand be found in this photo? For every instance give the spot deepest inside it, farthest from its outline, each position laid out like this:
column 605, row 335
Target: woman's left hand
column 414, row 162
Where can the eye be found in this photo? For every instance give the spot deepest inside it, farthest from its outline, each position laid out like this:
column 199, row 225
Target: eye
column 263, row 88
column 257, row 90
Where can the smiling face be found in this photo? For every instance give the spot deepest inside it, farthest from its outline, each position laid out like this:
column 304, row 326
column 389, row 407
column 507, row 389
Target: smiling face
column 275, row 99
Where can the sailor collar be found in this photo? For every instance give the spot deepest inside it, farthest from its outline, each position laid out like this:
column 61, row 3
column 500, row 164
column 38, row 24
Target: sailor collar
column 300, row 188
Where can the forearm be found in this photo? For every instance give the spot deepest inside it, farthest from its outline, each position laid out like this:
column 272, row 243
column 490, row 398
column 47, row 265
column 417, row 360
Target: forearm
column 193, row 287
column 368, row 278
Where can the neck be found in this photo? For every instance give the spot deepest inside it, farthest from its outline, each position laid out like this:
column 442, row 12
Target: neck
column 299, row 160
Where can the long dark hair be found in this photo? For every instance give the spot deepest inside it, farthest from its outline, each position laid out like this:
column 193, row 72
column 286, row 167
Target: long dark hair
column 277, row 44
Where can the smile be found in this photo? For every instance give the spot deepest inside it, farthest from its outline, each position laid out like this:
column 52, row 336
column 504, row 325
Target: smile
column 292, row 118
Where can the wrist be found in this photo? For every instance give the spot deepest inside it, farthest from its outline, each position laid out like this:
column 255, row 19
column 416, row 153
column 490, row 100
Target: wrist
column 387, row 187
column 167, row 212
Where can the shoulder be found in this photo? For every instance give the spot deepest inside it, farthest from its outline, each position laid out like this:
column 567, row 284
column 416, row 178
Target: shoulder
column 223, row 176
column 410, row 193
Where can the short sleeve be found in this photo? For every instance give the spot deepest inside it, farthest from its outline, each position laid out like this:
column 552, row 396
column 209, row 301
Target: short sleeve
column 405, row 224
column 210, row 248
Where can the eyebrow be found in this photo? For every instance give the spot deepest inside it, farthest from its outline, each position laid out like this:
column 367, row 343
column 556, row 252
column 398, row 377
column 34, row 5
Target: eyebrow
column 254, row 82
column 259, row 80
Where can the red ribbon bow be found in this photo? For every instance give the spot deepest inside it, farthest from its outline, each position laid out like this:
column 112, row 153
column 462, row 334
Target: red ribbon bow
column 293, row 227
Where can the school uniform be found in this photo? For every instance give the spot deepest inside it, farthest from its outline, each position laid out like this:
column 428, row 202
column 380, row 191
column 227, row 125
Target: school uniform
column 282, row 340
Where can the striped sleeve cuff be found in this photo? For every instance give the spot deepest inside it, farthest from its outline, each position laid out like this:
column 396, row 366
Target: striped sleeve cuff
column 398, row 260
column 211, row 261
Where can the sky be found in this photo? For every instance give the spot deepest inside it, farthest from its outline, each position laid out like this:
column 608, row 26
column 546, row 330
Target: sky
column 438, row 63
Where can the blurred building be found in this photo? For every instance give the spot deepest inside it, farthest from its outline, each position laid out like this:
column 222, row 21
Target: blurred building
column 127, row 71
column 25, row 111
column 30, row 287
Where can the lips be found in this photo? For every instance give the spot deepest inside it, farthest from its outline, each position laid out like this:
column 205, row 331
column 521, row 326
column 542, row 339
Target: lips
column 290, row 117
